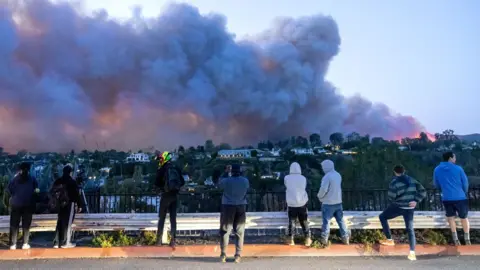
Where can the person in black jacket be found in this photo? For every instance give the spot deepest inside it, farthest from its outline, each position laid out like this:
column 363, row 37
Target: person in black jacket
column 168, row 198
column 66, row 214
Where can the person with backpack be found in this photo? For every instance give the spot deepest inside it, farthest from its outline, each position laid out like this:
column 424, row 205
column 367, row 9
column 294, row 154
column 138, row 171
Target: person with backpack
column 404, row 193
column 169, row 180
column 22, row 188
column 64, row 199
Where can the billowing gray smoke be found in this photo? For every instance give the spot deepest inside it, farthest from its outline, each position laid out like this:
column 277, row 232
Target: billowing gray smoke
column 72, row 81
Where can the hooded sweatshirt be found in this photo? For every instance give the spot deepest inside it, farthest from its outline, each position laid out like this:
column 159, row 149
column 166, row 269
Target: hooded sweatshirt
column 403, row 189
column 330, row 192
column 451, row 180
column 296, row 184
column 22, row 190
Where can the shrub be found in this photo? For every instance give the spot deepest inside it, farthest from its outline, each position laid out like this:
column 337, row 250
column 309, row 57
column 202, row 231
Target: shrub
column 103, row 240
column 432, row 237
column 367, row 237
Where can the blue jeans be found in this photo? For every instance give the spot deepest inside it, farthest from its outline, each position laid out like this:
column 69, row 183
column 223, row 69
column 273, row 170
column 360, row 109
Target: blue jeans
column 328, row 212
column 394, row 211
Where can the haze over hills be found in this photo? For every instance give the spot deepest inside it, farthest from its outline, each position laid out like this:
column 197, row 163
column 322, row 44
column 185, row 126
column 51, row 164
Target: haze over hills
column 470, row 137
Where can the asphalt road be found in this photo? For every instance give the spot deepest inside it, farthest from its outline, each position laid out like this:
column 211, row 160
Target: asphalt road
column 422, row 263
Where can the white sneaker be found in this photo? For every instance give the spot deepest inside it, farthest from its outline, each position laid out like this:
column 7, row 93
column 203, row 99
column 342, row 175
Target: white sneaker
column 13, row 247
column 69, row 245
column 26, row 246
column 55, row 246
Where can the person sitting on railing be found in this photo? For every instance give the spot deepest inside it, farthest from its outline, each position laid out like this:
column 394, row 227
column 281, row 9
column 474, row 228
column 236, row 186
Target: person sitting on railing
column 169, row 180
column 453, row 183
column 330, row 194
column 233, row 213
column 297, row 199
column 404, row 193
column 22, row 188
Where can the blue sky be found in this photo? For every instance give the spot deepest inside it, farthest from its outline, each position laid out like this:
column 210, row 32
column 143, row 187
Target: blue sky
column 421, row 58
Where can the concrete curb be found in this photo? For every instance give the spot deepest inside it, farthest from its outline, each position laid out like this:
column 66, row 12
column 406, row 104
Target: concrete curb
column 248, row 251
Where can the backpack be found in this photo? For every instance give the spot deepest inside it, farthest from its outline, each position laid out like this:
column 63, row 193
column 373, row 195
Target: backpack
column 59, row 197
column 173, row 179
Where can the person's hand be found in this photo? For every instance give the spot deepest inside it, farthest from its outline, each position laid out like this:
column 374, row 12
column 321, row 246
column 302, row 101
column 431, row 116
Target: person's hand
column 37, row 190
column 79, row 210
column 412, row 204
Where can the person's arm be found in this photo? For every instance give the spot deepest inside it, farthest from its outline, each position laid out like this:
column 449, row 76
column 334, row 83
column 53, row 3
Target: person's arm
column 181, row 176
column 421, row 192
column 324, row 188
column 11, row 187
column 435, row 179
column 221, row 183
column 464, row 179
column 392, row 191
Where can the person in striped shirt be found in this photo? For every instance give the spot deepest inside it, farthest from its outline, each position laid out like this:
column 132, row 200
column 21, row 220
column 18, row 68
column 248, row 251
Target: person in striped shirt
column 404, row 194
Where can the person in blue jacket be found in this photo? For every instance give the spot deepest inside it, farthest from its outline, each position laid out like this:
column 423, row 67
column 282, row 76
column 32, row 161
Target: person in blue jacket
column 453, row 184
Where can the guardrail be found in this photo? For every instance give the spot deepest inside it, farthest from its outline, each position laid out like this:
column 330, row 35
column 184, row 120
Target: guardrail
column 255, row 220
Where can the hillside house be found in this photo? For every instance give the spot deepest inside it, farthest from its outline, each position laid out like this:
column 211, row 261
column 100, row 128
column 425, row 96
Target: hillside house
column 138, row 157
column 235, row 154
column 303, row 151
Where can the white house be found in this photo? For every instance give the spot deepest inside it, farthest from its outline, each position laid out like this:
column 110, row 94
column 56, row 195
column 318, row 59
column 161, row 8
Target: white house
column 303, row 151
column 138, row 157
column 232, row 154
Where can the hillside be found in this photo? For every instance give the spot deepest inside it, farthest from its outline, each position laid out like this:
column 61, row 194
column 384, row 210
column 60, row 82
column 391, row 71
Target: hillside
column 470, row 137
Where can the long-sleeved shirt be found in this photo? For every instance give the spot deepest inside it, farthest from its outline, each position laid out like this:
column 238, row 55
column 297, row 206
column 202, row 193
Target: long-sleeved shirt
column 330, row 192
column 234, row 190
column 404, row 189
column 451, row 180
column 22, row 190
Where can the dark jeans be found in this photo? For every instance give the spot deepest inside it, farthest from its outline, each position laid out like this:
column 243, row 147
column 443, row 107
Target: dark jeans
column 168, row 204
column 394, row 211
column 328, row 212
column 24, row 214
column 61, row 232
column 232, row 217
column 300, row 213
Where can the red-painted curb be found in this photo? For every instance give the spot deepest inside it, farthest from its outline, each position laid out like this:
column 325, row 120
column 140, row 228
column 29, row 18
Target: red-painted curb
column 248, row 251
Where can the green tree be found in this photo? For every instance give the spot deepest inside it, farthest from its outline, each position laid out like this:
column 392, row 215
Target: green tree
column 336, row 138
column 209, row 146
column 315, row 139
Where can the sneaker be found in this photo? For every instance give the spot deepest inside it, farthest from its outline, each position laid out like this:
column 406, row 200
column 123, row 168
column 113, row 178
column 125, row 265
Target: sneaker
column 412, row 257
column 172, row 244
column 55, row 246
column 223, row 258
column 237, row 259
column 69, row 245
column 457, row 242
column 388, row 242
column 26, row 246
column 308, row 241
column 346, row 241
column 13, row 247
column 467, row 242
column 324, row 241
column 290, row 241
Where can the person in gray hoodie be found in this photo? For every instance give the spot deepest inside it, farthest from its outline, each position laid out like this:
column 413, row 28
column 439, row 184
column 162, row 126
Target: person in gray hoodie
column 234, row 207
column 330, row 195
column 297, row 199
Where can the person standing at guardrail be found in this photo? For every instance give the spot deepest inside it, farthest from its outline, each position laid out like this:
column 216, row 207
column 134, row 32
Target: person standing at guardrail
column 169, row 180
column 22, row 188
column 64, row 199
column 297, row 199
column 453, row 184
column 233, row 213
column 330, row 194
column 404, row 193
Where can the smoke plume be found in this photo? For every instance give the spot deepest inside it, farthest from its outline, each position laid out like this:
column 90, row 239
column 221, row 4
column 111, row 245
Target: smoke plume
column 72, row 81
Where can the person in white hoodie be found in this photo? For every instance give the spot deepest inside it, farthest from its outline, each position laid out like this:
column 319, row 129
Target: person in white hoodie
column 297, row 199
column 330, row 194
